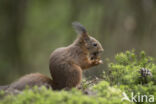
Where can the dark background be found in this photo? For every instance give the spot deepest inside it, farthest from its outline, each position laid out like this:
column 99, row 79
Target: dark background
column 31, row 29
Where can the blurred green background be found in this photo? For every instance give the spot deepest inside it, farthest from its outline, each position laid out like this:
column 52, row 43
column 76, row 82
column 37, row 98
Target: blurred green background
column 31, row 29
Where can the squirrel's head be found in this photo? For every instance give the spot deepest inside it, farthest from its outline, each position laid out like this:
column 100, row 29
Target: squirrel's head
column 90, row 43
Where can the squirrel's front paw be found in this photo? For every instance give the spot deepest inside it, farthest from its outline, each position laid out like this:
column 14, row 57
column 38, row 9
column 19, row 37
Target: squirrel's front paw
column 100, row 62
column 96, row 62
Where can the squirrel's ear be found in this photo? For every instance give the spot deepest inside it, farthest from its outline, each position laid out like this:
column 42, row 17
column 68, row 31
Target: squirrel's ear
column 80, row 29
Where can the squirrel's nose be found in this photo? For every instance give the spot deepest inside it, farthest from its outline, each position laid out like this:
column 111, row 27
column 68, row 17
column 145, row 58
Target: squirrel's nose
column 101, row 50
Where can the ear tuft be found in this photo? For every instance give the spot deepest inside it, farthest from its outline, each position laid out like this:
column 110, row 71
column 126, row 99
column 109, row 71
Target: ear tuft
column 80, row 29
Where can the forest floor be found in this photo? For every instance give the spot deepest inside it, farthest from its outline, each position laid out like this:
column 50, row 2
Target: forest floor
column 130, row 79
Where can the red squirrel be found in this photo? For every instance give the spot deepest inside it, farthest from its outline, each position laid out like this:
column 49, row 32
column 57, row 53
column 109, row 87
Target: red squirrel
column 66, row 64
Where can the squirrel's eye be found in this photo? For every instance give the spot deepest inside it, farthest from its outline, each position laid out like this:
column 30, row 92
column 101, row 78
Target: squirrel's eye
column 94, row 44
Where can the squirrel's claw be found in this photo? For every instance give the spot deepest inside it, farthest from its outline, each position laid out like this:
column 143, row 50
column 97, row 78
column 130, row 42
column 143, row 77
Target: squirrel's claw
column 100, row 61
column 97, row 62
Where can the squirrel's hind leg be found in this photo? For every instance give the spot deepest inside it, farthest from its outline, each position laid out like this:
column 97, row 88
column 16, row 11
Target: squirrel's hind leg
column 67, row 79
column 75, row 76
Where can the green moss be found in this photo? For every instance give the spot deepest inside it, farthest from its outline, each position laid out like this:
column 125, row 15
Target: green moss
column 125, row 72
column 47, row 96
